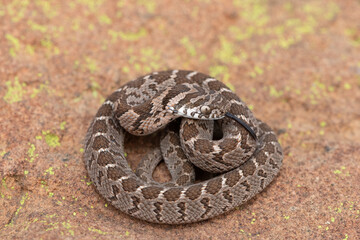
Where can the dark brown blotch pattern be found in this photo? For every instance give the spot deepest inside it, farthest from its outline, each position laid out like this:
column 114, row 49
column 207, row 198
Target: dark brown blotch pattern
column 99, row 126
column 206, row 204
column 228, row 144
column 228, row 196
column 114, row 96
column 203, row 146
column 216, row 85
column 248, row 168
column 261, row 158
column 162, row 76
column 262, row 173
column 130, row 185
column 273, row 164
column 232, row 178
column 135, row 202
column 199, row 78
column 104, row 110
column 270, row 138
column 193, row 192
column 172, row 194
column 115, row 173
column 189, row 131
column 151, row 192
column 187, row 167
column 231, row 95
column 100, row 142
column 158, row 210
column 182, row 180
column 214, row 185
column 180, row 153
column 105, row 158
column 269, row 147
column 246, row 185
column 116, row 190
column 182, row 209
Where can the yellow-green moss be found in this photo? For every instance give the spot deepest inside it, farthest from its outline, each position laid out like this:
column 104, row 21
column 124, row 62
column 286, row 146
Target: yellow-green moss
column 68, row 226
column 14, row 91
column 150, row 5
column 47, row 7
column 104, row 19
column 226, row 53
column 275, row 93
column 15, row 43
column 189, row 46
column 127, row 36
column 62, row 125
column 97, row 231
column 51, row 139
column 50, row 171
column 2, row 153
column 91, row 64
column 31, row 153
column 37, row 27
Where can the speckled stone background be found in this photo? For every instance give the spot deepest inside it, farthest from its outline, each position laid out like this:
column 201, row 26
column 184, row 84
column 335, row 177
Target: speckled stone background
column 295, row 63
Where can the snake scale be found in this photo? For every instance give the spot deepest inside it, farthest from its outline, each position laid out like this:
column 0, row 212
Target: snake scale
column 198, row 120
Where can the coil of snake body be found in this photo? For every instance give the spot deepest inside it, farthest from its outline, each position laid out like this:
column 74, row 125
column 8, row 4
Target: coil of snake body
column 245, row 158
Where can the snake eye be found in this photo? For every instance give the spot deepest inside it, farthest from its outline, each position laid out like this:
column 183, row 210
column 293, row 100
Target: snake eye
column 205, row 110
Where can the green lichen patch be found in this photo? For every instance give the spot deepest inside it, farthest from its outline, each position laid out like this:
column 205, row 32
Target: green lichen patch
column 42, row 87
column 22, row 202
column 91, row 64
column 2, row 153
column 68, row 227
column 15, row 43
column 144, row 60
column 62, row 125
column 149, row 5
column 189, row 46
column 354, row 35
column 15, row 91
column 342, row 172
column 226, row 53
column 37, row 27
column 31, row 155
column 274, row 92
column 51, row 139
column 256, row 72
column 127, row 36
column 91, row 229
column 18, row 91
column 104, row 19
column 49, row 171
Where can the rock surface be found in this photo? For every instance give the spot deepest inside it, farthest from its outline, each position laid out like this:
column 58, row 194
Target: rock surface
column 295, row 63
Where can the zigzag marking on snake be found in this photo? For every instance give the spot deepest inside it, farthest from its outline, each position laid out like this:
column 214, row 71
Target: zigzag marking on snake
column 245, row 162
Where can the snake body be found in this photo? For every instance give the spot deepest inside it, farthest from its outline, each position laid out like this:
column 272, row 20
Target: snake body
column 158, row 102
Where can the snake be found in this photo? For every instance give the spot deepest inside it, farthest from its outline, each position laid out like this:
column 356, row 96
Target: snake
column 202, row 126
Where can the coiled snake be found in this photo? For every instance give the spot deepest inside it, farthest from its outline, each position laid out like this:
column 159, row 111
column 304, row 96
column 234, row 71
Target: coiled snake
column 244, row 157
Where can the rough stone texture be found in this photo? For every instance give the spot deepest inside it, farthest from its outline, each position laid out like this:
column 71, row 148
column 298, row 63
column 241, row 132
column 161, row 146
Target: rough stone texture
column 296, row 63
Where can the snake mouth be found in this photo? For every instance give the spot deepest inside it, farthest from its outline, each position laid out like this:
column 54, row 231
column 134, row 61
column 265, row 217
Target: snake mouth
column 244, row 124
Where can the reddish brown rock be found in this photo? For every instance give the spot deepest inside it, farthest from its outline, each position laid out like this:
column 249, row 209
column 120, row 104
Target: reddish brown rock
column 295, row 63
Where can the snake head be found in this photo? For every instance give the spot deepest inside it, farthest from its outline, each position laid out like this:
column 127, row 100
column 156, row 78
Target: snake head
column 201, row 109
